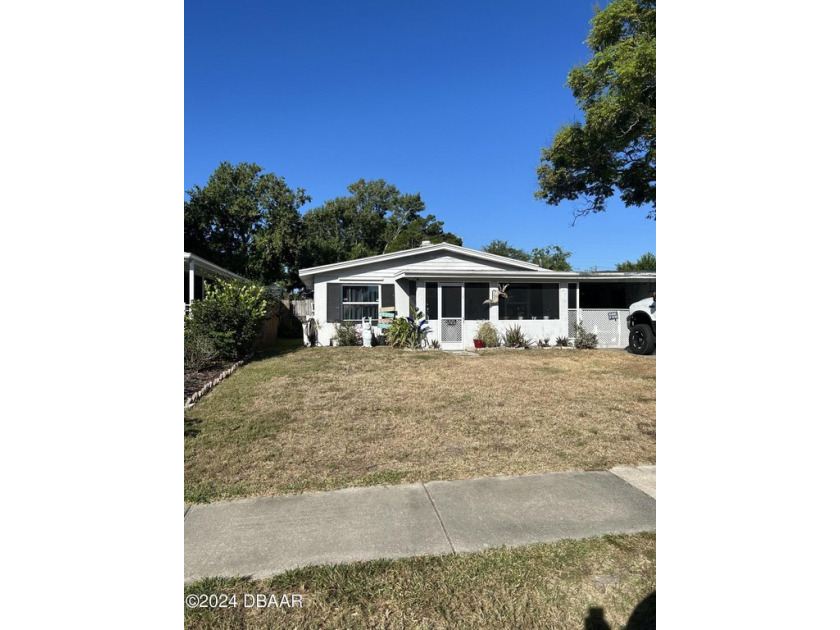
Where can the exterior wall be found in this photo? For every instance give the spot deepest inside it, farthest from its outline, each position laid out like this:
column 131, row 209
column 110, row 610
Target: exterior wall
column 611, row 332
column 384, row 272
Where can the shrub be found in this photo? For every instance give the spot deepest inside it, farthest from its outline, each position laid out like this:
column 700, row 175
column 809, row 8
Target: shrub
column 230, row 315
column 199, row 350
column 584, row 340
column 347, row 335
column 563, row 342
column 488, row 334
column 408, row 332
column 515, row 338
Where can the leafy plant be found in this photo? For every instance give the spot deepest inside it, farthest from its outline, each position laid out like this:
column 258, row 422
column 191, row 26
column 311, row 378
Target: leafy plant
column 347, row 335
column 199, row 350
column 408, row 332
column 488, row 334
column 434, row 344
column 563, row 342
column 544, row 343
column 515, row 338
column 231, row 315
column 584, row 340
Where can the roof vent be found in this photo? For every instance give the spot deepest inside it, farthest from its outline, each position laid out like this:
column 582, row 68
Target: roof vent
column 425, row 243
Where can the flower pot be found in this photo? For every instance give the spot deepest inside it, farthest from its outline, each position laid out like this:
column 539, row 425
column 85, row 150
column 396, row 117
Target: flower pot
column 478, row 343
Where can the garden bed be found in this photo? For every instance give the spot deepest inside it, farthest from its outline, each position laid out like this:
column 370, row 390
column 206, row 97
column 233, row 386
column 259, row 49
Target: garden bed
column 194, row 380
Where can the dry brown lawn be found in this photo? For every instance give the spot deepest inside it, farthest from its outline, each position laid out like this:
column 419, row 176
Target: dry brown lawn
column 324, row 418
column 599, row 583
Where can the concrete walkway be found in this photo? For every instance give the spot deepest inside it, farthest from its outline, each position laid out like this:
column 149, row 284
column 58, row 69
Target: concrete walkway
column 265, row 536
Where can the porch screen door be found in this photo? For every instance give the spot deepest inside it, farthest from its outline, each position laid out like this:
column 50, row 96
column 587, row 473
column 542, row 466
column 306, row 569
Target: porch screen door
column 451, row 316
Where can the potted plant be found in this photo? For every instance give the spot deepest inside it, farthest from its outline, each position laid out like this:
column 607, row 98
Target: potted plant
column 486, row 336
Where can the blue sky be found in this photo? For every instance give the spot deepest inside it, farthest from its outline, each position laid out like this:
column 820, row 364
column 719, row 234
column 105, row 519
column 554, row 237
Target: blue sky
column 453, row 100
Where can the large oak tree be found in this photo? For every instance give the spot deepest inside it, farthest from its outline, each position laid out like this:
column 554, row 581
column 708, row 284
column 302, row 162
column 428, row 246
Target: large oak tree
column 614, row 149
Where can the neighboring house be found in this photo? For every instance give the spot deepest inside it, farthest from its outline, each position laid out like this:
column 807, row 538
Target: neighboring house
column 450, row 285
column 197, row 272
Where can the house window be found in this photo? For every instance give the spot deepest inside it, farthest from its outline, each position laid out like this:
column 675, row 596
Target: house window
column 359, row 302
column 531, row 301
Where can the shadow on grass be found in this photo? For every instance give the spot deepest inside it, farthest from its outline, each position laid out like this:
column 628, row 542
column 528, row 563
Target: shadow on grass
column 191, row 427
column 279, row 348
column 643, row 616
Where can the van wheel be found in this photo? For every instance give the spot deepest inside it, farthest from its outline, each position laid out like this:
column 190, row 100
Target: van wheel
column 642, row 340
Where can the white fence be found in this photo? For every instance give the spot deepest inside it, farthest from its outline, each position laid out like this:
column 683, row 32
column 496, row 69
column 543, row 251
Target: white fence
column 610, row 325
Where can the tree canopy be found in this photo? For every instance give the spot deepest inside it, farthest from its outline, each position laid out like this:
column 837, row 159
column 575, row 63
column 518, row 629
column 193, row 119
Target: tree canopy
column 551, row 257
column 501, row 248
column 246, row 221
column 615, row 148
column 376, row 218
column 646, row 262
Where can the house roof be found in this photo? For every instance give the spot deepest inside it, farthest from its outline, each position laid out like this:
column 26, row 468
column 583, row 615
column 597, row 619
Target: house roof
column 517, row 270
column 212, row 268
column 307, row 275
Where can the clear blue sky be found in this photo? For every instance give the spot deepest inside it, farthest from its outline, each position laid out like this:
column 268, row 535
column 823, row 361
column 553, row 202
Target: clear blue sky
column 453, row 100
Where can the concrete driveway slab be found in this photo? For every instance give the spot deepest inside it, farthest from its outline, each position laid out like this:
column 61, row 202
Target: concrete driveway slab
column 483, row 513
column 265, row 536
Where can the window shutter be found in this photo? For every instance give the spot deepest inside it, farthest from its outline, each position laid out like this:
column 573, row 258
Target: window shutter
column 333, row 302
column 386, row 294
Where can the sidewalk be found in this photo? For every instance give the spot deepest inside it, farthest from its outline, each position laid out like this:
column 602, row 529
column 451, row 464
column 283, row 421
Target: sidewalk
column 262, row 537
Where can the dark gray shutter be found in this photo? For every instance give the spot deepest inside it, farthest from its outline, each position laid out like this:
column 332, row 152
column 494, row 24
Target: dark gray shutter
column 551, row 300
column 474, row 295
column 333, row 302
column 431, row 300
column 386, row 294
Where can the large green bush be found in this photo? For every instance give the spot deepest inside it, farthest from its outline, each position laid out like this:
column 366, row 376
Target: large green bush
column 230, row 315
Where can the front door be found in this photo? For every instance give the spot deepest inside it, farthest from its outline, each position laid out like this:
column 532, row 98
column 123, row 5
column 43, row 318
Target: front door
column 452, row 316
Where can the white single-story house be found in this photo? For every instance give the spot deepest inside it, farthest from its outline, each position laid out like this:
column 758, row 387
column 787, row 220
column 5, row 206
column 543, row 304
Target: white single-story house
column 450, row 284
column 196, row 272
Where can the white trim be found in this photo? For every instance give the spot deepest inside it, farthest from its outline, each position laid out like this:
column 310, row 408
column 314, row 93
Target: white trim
column 522, row 276
column 206, row 264
column 456, row 249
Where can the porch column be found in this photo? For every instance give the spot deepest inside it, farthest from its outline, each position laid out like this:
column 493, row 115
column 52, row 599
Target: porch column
column 577, row 301
column 192, row 282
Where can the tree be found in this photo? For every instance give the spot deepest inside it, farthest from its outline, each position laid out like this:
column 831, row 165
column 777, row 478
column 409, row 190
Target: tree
column 501, row 248
column 646, row 262
column 552, row 257
column 375, row 219
column 246, row 221
column 615, row 148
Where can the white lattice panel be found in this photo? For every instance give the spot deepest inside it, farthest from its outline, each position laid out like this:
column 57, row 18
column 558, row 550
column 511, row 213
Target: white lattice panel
column 610, row 325
column 450, row 331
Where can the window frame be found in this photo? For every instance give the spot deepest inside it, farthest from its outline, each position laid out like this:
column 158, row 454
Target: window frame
column 345, row 302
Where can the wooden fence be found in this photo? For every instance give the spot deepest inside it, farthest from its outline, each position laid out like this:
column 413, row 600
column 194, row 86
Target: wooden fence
column 302, row 309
